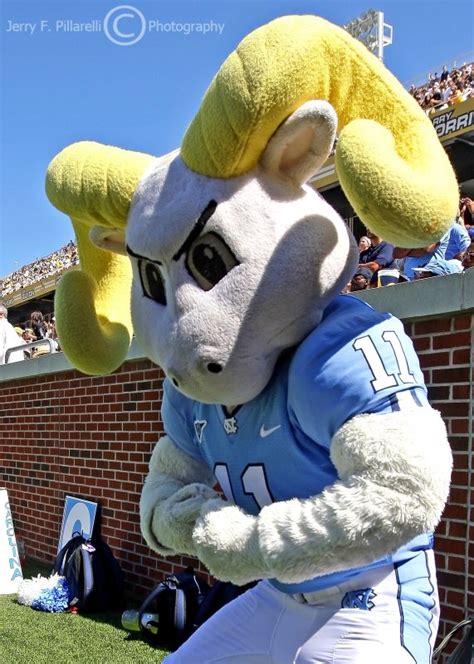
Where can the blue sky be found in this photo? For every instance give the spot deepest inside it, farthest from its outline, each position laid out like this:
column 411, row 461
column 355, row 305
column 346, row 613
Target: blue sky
column 60, row 86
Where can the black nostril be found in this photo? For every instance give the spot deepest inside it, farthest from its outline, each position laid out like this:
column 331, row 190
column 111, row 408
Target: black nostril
column 175, row 382
column 213, row 367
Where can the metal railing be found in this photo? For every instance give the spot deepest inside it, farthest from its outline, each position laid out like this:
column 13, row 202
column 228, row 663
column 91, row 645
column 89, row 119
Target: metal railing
column 32, row 344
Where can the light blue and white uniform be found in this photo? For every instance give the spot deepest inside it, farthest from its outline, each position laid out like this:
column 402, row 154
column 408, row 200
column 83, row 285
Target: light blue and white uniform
column 276, row 447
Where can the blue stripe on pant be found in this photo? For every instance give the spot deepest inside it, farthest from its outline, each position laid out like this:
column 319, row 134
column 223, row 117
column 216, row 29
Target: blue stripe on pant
column 417, row 601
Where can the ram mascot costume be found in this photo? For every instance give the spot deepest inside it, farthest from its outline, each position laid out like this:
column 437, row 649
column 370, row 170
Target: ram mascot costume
column 306, row 406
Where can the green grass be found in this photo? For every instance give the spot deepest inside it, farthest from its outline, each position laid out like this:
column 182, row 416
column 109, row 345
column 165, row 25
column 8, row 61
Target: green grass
column 35, row 637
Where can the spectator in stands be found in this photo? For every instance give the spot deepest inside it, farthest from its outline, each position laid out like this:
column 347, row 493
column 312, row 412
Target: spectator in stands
column 51, row 333
column 437, row 267
column 458, row 242
column 453, row 245
column 466, row 214
column 419, row 257
column 378, row 255
column 38, row 325
column 451, row 87
column 361, row 279
column 28, row 337
column 8, row 338
column 364, row 244
column 40, row 269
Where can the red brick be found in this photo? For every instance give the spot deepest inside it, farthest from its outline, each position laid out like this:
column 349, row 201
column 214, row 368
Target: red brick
column 465, row 322
column 434, row 360
column 461, row 356
column 461, row 391
column 452, row 340
column 422, row 343
column 457, row 375
column 459, row 426
column 458, row 495
column 456, row 564
column 453, row 409
column 432, row 326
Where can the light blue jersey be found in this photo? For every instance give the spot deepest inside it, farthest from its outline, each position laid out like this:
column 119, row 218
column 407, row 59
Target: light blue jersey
column 276, row 447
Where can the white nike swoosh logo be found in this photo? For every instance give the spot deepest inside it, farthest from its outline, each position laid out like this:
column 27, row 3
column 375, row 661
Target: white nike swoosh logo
column 266, row 432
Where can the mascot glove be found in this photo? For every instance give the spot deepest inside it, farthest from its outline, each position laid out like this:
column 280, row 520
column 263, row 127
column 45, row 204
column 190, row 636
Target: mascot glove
column 226, row 541
column 174, row 519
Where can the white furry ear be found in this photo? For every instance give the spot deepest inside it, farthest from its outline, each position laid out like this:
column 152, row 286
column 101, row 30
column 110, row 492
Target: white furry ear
column 301, row 145
column 110, row 239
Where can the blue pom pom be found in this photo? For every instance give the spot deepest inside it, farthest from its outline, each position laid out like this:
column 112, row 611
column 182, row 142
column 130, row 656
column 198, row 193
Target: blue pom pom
column 54, row 600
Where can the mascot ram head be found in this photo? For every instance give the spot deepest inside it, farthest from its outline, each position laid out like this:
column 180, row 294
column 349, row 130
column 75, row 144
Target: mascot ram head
column 232, row 255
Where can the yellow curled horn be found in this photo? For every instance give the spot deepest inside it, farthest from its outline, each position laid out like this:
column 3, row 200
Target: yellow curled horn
column 389, row 160
column 94, row 185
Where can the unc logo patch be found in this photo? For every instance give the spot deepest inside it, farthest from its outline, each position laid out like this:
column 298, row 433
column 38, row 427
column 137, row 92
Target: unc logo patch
column 359, row 599
column 230, row 425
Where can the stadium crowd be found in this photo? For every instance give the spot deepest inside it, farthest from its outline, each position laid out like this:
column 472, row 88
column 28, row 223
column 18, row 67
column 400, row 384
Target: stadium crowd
column 23, row 337
column 382, row 264
column 40, row 269
column 441, row 90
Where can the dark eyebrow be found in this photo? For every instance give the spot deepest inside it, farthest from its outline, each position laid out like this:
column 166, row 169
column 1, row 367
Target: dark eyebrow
column 132, row 253
column 204, row 217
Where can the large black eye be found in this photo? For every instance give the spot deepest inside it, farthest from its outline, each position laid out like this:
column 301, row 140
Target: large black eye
column 152, row 281
column 209, row 259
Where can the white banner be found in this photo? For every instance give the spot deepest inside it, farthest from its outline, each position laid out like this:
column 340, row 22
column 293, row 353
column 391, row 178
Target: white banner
column 10, row 567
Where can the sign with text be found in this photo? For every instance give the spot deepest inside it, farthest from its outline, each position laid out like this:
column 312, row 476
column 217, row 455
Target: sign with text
column 455, row 120
column 10, row 566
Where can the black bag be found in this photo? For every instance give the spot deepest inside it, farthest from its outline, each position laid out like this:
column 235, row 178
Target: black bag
column 93, row 574
column 178, row 606
column 464, row 652
column 175, row 603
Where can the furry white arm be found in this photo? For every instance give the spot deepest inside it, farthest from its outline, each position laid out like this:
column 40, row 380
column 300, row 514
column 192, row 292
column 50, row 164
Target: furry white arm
column 394, row 472
column 175, row 489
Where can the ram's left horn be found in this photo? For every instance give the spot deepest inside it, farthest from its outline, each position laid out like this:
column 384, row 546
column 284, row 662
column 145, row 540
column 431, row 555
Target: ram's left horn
column 94, row 184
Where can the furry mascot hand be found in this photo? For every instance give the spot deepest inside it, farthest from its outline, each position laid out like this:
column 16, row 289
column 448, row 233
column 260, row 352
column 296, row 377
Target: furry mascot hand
column 175, row 490
column 227, row 542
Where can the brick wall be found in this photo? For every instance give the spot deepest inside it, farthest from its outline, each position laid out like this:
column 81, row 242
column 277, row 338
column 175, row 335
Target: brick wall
column 445, row 347
column 65, row 433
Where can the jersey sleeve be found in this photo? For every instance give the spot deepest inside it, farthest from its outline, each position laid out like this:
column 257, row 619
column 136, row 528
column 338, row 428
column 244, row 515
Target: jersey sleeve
column 177, row 416
column 358, row 361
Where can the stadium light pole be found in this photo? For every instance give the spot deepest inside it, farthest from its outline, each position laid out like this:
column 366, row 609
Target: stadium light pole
column 371, row 29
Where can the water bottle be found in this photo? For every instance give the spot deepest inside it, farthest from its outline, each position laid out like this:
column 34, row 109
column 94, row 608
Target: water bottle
column 149, row 621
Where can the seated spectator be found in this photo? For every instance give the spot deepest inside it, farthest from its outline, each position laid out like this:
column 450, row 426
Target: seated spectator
column 458, row 242
column 378, row 255
column 438, row 267
column 364, row 244
column 28, row 337
column 38, row 325
column 361, row 279
column 466, row 214
column 420, row 256
column 459, row 94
